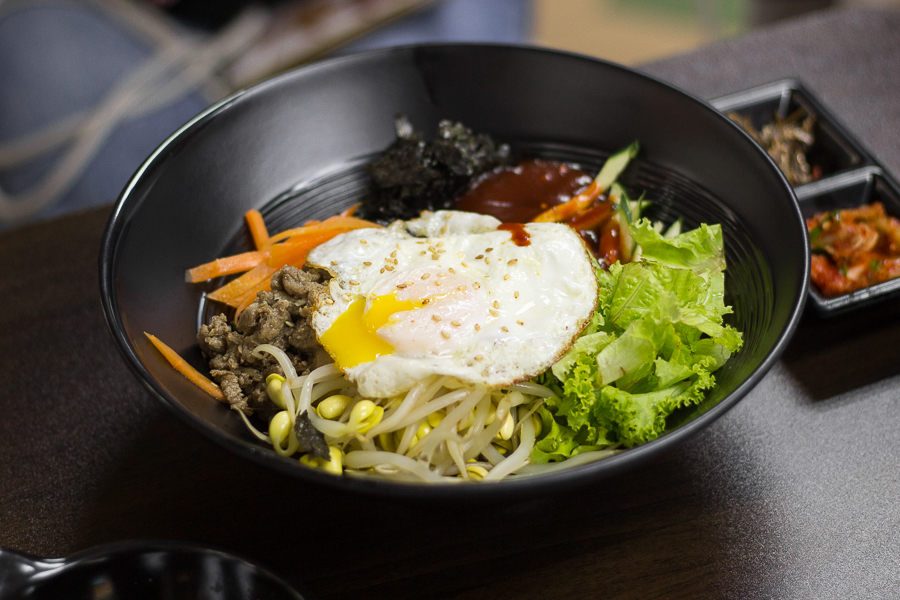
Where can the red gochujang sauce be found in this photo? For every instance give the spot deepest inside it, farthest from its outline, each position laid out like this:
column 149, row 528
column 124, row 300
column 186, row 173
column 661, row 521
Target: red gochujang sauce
column 520, row 237
column 518, row 194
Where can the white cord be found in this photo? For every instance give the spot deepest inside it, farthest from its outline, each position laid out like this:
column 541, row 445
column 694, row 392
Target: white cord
column 180, row 66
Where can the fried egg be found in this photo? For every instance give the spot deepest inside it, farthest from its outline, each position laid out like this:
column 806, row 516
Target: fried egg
column 451, row 294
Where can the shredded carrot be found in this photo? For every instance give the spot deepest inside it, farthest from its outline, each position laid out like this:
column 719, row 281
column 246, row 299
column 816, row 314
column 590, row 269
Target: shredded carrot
column 262, row 264
column 351, row 211
column 257, row 228
column 567, row 209
column 232, row 292
column 286, row 248
column 183, row 367
column 592, row 217
column 289, row 251
column 292, row 252
column 248, row 298
column 226, row 266
column 337, row 221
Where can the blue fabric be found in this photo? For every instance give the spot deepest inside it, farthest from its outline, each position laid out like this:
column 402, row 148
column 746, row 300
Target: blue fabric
column 501, row 21
column 60, row 57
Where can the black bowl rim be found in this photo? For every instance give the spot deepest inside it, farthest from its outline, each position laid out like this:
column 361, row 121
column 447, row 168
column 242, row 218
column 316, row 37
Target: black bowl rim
column 564, row 479
column 39, row 568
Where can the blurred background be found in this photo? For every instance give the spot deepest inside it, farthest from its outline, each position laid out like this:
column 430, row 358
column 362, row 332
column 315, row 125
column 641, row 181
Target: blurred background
column 90, row 87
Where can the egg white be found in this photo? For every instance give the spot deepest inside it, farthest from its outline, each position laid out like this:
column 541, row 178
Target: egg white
column 495, row 313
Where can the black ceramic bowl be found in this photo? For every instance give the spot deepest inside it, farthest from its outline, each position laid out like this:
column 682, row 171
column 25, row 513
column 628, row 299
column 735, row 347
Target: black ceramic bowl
column 141, row 570
column 294, row 147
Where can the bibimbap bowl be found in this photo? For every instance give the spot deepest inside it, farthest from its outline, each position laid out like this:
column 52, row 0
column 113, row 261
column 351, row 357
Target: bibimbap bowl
column 295, row 148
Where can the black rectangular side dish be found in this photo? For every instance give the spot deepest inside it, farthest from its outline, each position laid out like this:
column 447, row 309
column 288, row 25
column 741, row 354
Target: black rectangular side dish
column 847, row 175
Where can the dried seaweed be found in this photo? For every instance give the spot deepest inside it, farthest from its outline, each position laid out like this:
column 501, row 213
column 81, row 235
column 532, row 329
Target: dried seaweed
column 312, row 441
column 788, row 141
column 413, row 175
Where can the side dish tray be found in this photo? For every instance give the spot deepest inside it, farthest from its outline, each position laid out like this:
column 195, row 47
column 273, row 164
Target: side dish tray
column 845, row 174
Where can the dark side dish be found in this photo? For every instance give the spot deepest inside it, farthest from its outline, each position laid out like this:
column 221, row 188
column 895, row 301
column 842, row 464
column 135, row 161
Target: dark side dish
column 788, row 141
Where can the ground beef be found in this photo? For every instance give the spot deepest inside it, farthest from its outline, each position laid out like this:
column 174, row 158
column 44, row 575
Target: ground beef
column 277, row 317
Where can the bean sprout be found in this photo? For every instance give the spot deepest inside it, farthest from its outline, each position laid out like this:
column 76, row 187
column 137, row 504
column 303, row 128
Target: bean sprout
column 441, row 430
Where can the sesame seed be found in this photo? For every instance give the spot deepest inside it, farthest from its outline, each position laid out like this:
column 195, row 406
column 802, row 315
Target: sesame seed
column 426, row 275
column 394, row 260
column 346, row 297
column 477, row 327
column 354, row 282
column 447, row 215
column 494, row 313
column 465, row 265
column 441, row 274
column 426, row 301
column 393, row 254
column 513, row 261
column 496, row 304
column 436, row 318
column 445, row 335
column 451, row 270
column 487, row 261
column 422, row 253
column 488, row 249
column 520, row 322
column 506, row 277
column 389, row 267
column 479, row 357
column 460, row 255
column 476, row 285
column 441, row 243
column 479, row 257
column 437, row 283
column 455, row 323
column 400, row 286
column 367, row 263
column 516, row 294
column 461, row 288
column 444, row 229
column 435, row 256
column 334, row 263
column 382, row 270
column 363, row 242
column 329, row 301
column 505, row 329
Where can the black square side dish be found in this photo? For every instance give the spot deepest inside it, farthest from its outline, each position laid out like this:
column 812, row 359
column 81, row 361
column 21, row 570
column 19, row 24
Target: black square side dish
column 852, row 190
column 834, row 150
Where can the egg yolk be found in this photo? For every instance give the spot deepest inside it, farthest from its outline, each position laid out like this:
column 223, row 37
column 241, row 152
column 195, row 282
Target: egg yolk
column 352, row 339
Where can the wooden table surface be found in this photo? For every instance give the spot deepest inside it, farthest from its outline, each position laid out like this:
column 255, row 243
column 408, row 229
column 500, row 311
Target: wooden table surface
column 795, row 493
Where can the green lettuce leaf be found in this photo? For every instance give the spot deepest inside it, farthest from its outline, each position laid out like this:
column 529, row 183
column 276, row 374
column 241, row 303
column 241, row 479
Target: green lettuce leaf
column 699, row 249
column 558, row 442
column 652, row 347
